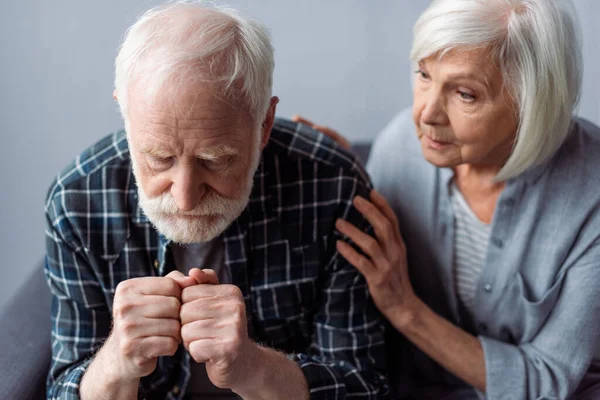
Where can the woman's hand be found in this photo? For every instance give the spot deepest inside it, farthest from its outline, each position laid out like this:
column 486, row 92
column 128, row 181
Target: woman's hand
column 385, row 268
column 342, row 141
column 386, row 272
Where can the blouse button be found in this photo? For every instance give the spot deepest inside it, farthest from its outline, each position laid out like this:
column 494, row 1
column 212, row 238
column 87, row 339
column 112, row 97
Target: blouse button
column 487, row 287
column 498, row 242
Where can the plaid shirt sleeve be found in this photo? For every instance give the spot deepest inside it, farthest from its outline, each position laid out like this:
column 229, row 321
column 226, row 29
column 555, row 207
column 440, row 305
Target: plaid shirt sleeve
column 347, row 355
column 80, row 317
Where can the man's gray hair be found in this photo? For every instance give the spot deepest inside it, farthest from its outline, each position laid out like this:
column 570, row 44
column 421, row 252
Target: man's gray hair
column 183, row 43
column 537, row 46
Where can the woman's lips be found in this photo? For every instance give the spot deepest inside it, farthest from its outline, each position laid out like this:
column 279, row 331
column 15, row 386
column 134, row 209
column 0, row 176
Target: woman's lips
column 436, row 144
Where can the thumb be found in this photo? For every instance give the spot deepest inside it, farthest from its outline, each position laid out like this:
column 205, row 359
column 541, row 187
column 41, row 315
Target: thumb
column 302, row 120
column 207, row 276
column 182, row 280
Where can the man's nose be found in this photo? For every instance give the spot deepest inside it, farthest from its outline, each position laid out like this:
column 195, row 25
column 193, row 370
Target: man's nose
column 188, row 188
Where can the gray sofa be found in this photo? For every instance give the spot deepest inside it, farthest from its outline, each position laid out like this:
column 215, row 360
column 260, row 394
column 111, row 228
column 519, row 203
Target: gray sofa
column 25, row 340
column 25, row 334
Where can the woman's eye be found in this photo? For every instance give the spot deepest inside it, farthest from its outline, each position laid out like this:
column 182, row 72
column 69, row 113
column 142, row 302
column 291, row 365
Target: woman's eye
column 468, row 97
column 422, row 74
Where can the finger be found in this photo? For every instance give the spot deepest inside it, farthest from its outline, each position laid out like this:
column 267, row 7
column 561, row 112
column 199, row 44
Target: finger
column 366, row 242
column 208, row 276
column 198, row 310
column 204, row 350
column 207, row 291
column 182, row 280
column 334, row 135
column 302, row 120
column 159, row 286
column 153, row 306
column 385, row 231
column 360, row 262
column 384, row 207
column 345, row 143
column 201, row 329
column 157, row 346
column 157, row 327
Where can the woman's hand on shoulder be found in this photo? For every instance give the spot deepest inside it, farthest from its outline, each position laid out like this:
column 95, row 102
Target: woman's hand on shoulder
column 342, row 141
column 385, row 265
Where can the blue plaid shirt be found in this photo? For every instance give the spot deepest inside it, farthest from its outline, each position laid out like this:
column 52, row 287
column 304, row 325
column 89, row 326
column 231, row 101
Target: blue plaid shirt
column 301, row 296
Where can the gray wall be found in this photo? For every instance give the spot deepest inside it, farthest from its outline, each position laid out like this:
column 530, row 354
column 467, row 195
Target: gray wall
column 340, row 62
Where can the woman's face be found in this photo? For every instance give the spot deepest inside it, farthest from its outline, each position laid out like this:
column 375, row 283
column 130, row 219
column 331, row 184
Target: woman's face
column 462, row 110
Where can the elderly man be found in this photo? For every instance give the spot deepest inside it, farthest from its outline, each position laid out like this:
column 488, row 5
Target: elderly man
column 196, row 250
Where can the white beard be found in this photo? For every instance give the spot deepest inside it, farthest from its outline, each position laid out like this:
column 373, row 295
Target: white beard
column 211, row 216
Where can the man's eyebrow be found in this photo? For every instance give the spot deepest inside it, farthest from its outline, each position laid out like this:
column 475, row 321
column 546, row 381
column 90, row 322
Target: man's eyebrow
column 210, row 153
column 155, row 152
column 213, row 153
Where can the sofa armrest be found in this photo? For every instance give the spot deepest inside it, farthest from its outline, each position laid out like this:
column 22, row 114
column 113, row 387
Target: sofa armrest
column 25, row 340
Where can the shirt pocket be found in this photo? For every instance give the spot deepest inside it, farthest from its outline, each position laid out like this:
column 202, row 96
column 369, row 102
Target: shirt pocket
column 283, row 315
column 529, row 312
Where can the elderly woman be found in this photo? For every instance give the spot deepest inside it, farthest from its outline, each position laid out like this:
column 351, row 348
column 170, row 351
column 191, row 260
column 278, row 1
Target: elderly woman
column 485, row 256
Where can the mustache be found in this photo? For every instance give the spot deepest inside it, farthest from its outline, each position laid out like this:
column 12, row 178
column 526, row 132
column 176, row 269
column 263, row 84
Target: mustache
column 211, row 204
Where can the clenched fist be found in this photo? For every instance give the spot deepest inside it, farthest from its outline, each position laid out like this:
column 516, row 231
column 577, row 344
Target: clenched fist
column 146, row 322
column 214, row 329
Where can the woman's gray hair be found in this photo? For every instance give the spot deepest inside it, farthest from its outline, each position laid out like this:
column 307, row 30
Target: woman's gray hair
column 537, row 47
column 182, row 43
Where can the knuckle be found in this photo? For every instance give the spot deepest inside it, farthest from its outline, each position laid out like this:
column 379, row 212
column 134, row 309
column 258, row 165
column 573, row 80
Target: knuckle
column 174, row 274
column 387, row 228
column 386, row 270
column 172, row 347
column 186, row 333
column 139, row 362
column 174, row 305
column 383, row 276
column 173, row 287
column 127, row 328
column 188, row 294
column 128, row 348
column 123, row 287
column 232, row 291
column 363, row 263
column 239, row 312
column 185, row 314
column 376, row 281
column 121, row 309
column 174, row 326
column 372, row 246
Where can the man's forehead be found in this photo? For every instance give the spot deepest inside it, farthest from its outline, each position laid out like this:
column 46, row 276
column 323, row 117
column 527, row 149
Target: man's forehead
column 189, row 114
column 151, row 135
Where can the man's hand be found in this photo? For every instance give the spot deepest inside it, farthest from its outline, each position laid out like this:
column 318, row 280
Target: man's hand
column 146, row 322
column 145, row 326
column 214, row 329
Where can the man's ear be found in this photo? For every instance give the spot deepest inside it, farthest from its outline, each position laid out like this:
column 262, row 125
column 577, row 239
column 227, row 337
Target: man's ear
column 115, row 95
column 267, row 124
